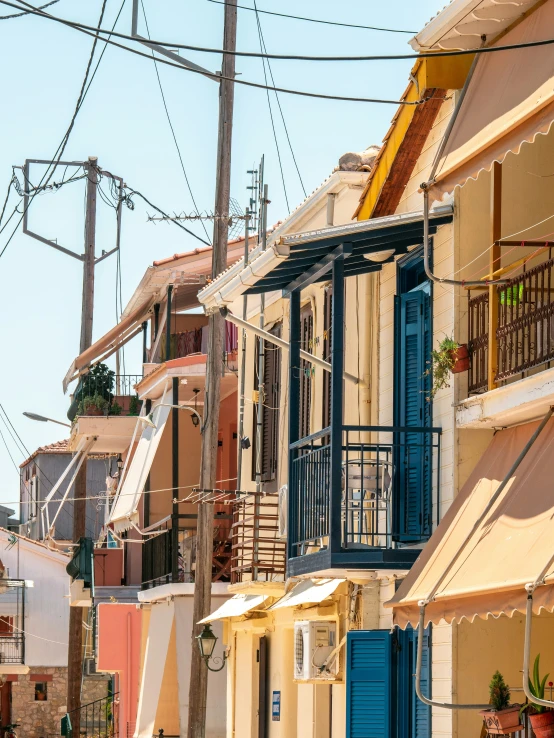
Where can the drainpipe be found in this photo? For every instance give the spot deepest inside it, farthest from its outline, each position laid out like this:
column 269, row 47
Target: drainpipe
column 243, row 357
column 423, row 603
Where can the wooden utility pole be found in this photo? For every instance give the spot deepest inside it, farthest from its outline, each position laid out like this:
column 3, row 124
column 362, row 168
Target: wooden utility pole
column 75, row 640
column 214, row 370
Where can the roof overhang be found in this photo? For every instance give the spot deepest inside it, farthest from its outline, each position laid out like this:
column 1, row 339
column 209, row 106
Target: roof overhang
column 291, row 258
column 463, row 23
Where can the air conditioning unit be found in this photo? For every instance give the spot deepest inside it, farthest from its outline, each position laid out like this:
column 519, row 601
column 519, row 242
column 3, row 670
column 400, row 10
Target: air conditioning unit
column 282, row 513
column 314, row 644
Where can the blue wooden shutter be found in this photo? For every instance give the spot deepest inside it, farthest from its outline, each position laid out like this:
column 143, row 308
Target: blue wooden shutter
column 421, row 713
column 368, row 683
column 414, row 460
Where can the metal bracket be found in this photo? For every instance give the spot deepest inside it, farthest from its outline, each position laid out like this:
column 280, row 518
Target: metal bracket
column 162, row 50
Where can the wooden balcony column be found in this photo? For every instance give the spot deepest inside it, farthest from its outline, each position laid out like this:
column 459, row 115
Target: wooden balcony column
column 494, row 265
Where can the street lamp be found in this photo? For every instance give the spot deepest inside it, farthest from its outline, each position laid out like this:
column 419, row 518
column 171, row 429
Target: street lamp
column 43, row 419
column 206, row 643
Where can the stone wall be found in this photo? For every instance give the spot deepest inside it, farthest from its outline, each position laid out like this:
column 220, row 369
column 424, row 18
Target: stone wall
column 41, row 719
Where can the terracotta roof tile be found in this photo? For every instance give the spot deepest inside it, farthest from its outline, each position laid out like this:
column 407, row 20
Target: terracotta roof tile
column 58, row 447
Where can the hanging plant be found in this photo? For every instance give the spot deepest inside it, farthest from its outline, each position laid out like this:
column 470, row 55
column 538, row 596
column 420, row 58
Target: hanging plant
column 449, row 358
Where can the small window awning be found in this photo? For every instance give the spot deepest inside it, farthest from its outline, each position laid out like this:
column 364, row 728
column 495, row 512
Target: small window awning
column 509, row 100
column 112, row 341
column 291, row 259
column 509, row 548
column 238, row 605
column 308, row 592
column 124, row 513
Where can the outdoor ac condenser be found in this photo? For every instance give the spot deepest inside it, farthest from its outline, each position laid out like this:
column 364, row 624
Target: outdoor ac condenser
column 314, row 642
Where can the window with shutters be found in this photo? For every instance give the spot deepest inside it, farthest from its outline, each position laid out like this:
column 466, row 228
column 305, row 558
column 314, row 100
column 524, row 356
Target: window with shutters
column 380, row 684
column 327, row 332
column 306, row 369
column 270, row 388
column 413, row 490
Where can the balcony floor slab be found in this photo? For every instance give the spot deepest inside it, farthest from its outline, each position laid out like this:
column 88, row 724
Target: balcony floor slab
column 340, row 564
column 519, row 402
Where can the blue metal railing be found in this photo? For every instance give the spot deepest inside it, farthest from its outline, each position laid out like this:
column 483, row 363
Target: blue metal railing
column 388, row 477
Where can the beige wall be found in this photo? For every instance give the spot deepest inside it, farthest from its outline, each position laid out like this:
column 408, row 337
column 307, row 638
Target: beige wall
column 487, row 645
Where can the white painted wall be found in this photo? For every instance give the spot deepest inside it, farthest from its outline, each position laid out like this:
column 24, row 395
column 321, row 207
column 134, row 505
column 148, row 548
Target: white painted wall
column 46, row 603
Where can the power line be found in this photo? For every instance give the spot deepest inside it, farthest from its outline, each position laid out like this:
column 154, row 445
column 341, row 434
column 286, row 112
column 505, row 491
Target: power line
column 219, row 77
column 317, row 20
column 9, row 454
column 286, row 57
column 271, row 116
column 61, row 148
column 264, row 49
column 171, row 124
column 26, row 12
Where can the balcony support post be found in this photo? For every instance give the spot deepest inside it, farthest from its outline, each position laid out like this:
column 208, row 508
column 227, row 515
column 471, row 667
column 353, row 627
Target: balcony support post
column 294, row 413
column 337, row 391
column 494, row 265
column 175, row 482
column 168, row 324
column 144, row 343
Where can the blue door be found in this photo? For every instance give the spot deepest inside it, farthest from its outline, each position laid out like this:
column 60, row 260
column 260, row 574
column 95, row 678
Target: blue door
column 368, row 683
column 413, row 488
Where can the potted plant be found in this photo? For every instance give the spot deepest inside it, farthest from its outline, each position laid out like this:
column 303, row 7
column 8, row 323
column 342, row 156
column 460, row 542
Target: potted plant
column 115, row 409
column 541, row 718
column 92, row 405
column 501, row 717
column 449, row 358
column 134, row 405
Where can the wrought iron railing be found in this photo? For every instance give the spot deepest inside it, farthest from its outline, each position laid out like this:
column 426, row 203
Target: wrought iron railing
column 388, row 478
column 478, row 342
column 122, row 385
column 525, row 329
column 169, row 556
column 12, row 648
column 98, row 719
column 525, row 332
column 258, row 546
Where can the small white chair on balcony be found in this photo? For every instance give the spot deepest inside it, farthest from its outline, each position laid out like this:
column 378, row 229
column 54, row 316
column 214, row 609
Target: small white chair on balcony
column 366, row 502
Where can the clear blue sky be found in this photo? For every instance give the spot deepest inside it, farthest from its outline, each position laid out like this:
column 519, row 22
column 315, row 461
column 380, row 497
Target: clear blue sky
column 124, row 124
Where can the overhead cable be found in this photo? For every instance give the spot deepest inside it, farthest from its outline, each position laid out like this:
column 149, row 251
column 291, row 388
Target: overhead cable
column 317, row 20
column 264, row 61
column 26, row 12
column 264, row 48
column 82, row 95
column 285, row 57
column 171, row 124
column 218, row 77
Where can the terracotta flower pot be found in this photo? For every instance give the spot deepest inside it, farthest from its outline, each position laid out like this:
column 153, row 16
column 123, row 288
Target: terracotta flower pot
column 461, row 359
column 543, row 724
column 93, row 410
column 502, row 721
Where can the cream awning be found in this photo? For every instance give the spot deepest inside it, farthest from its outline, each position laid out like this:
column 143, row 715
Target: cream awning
column 308, row 592
column 509, row 100
column 124, row 513
column 113, row 340
column 238, row 605
column 509, row 548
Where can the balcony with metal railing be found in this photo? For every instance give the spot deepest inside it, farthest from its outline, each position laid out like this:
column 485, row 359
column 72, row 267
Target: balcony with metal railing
column 169, row 557
column 375, row 511
column 524, row 331
column 511, row 347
